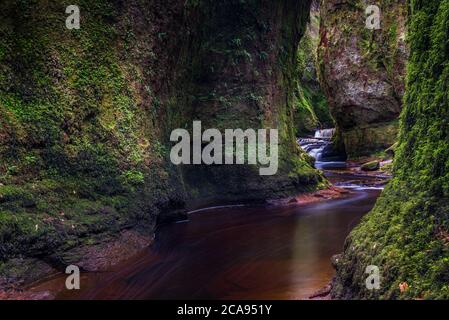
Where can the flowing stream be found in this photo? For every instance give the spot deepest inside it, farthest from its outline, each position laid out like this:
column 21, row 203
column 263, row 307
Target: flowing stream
column 245, row 252
column 319, row 146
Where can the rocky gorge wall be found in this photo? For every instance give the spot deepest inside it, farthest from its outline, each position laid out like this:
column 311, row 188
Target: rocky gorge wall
column 81, row 151
column 362, row 71
column 240, row 63
column 86, row 115
column 407, row 234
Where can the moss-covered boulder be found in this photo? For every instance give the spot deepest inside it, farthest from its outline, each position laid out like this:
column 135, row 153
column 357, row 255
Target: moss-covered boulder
column 238, row 70
column 82, row 155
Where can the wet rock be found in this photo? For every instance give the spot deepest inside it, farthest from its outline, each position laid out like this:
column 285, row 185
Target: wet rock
column 391, row 150
column 19, row 272
column 330, row 153
column 108, row 252
column 335, row 260
column 371, row 166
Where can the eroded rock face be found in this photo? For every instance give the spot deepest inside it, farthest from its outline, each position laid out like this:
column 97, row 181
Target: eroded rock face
column 238, row 71
column 362, row 71
column 312, row 110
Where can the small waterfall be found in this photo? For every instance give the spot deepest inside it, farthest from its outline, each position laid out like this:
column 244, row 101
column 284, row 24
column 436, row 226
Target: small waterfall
column 320, row 147
column 325, row 134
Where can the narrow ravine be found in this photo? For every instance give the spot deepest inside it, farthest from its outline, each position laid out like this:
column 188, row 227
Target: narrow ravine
column 320, row 147
column 247, row 252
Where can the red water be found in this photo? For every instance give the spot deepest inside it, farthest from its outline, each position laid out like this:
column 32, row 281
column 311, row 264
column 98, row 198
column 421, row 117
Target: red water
column 234, row 253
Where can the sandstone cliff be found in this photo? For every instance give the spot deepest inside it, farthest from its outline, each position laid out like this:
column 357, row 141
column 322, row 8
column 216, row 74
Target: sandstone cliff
column 362, row 71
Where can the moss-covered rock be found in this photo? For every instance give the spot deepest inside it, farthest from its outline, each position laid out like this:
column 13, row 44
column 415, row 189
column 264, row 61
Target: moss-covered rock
column 370, row 166
column 312, row 110
column 240, row 72
column 362, row 71
column 407, row 234
column 86, row 115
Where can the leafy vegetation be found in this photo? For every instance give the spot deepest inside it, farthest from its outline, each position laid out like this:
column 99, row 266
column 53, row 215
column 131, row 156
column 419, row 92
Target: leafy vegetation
column 407, row 234
column 80, row 156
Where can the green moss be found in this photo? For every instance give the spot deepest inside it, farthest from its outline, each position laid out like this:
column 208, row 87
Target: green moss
column 354, row 62
column 312, row 110
column 80, row 156
column 85, row 115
